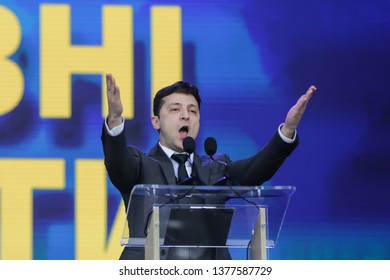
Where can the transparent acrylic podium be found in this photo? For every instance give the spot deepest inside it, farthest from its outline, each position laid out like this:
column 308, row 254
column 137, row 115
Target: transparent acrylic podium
column 205, row 222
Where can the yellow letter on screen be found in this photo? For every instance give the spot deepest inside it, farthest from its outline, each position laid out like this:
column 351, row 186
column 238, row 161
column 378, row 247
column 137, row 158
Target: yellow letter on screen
column 11, row 78
column 59, row 58
column 18, row 178
column 91, row 214
column 166, row 46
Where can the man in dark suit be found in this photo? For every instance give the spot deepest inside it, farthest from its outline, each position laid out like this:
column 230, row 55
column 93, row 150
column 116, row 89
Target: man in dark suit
column 176, row 110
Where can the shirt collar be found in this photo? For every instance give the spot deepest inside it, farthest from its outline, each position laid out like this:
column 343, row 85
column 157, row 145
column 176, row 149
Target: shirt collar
column 169, row 152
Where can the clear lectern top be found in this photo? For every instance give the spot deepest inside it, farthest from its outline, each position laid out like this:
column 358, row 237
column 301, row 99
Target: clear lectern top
column 243, row 201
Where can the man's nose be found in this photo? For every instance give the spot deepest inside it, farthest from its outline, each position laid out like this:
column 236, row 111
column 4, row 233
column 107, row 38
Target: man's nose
column 184, row 115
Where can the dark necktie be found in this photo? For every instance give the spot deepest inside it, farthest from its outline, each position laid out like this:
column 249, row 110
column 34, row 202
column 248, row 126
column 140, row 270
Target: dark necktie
column 182, row 172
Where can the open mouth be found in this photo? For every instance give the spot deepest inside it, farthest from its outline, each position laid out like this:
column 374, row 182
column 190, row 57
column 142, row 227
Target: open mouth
column 183, row 131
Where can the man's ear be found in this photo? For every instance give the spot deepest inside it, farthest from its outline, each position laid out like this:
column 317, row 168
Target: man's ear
column 156, row 122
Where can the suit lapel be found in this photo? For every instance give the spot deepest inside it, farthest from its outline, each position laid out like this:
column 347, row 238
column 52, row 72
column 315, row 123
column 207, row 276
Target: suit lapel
column 165, row 164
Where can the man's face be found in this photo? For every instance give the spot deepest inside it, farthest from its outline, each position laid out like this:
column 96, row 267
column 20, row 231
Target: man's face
column 179, row 118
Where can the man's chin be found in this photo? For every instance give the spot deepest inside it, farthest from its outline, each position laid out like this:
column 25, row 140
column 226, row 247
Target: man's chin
column 179, row 146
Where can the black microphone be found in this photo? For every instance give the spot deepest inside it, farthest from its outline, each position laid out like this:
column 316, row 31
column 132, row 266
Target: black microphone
column 210, row 147
column 189, row 147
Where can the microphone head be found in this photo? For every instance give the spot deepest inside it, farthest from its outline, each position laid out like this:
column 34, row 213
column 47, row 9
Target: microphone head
column 189, row 145
column 210, row 146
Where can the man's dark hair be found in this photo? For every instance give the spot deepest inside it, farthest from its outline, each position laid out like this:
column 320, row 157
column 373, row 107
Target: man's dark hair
column 178, row 87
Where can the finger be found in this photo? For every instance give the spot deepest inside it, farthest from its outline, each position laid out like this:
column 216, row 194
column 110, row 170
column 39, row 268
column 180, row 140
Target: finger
column 111, row 84
column 116, row 91
column 310, row 92
column 304, row 99
column 108, row 81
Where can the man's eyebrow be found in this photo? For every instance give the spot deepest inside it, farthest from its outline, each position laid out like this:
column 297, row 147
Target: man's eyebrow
column 175, row 104
column 181, row 104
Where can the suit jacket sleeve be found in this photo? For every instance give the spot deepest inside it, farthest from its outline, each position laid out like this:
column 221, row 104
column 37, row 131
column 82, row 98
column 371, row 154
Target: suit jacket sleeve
column 122, row 162
column 261, row 167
